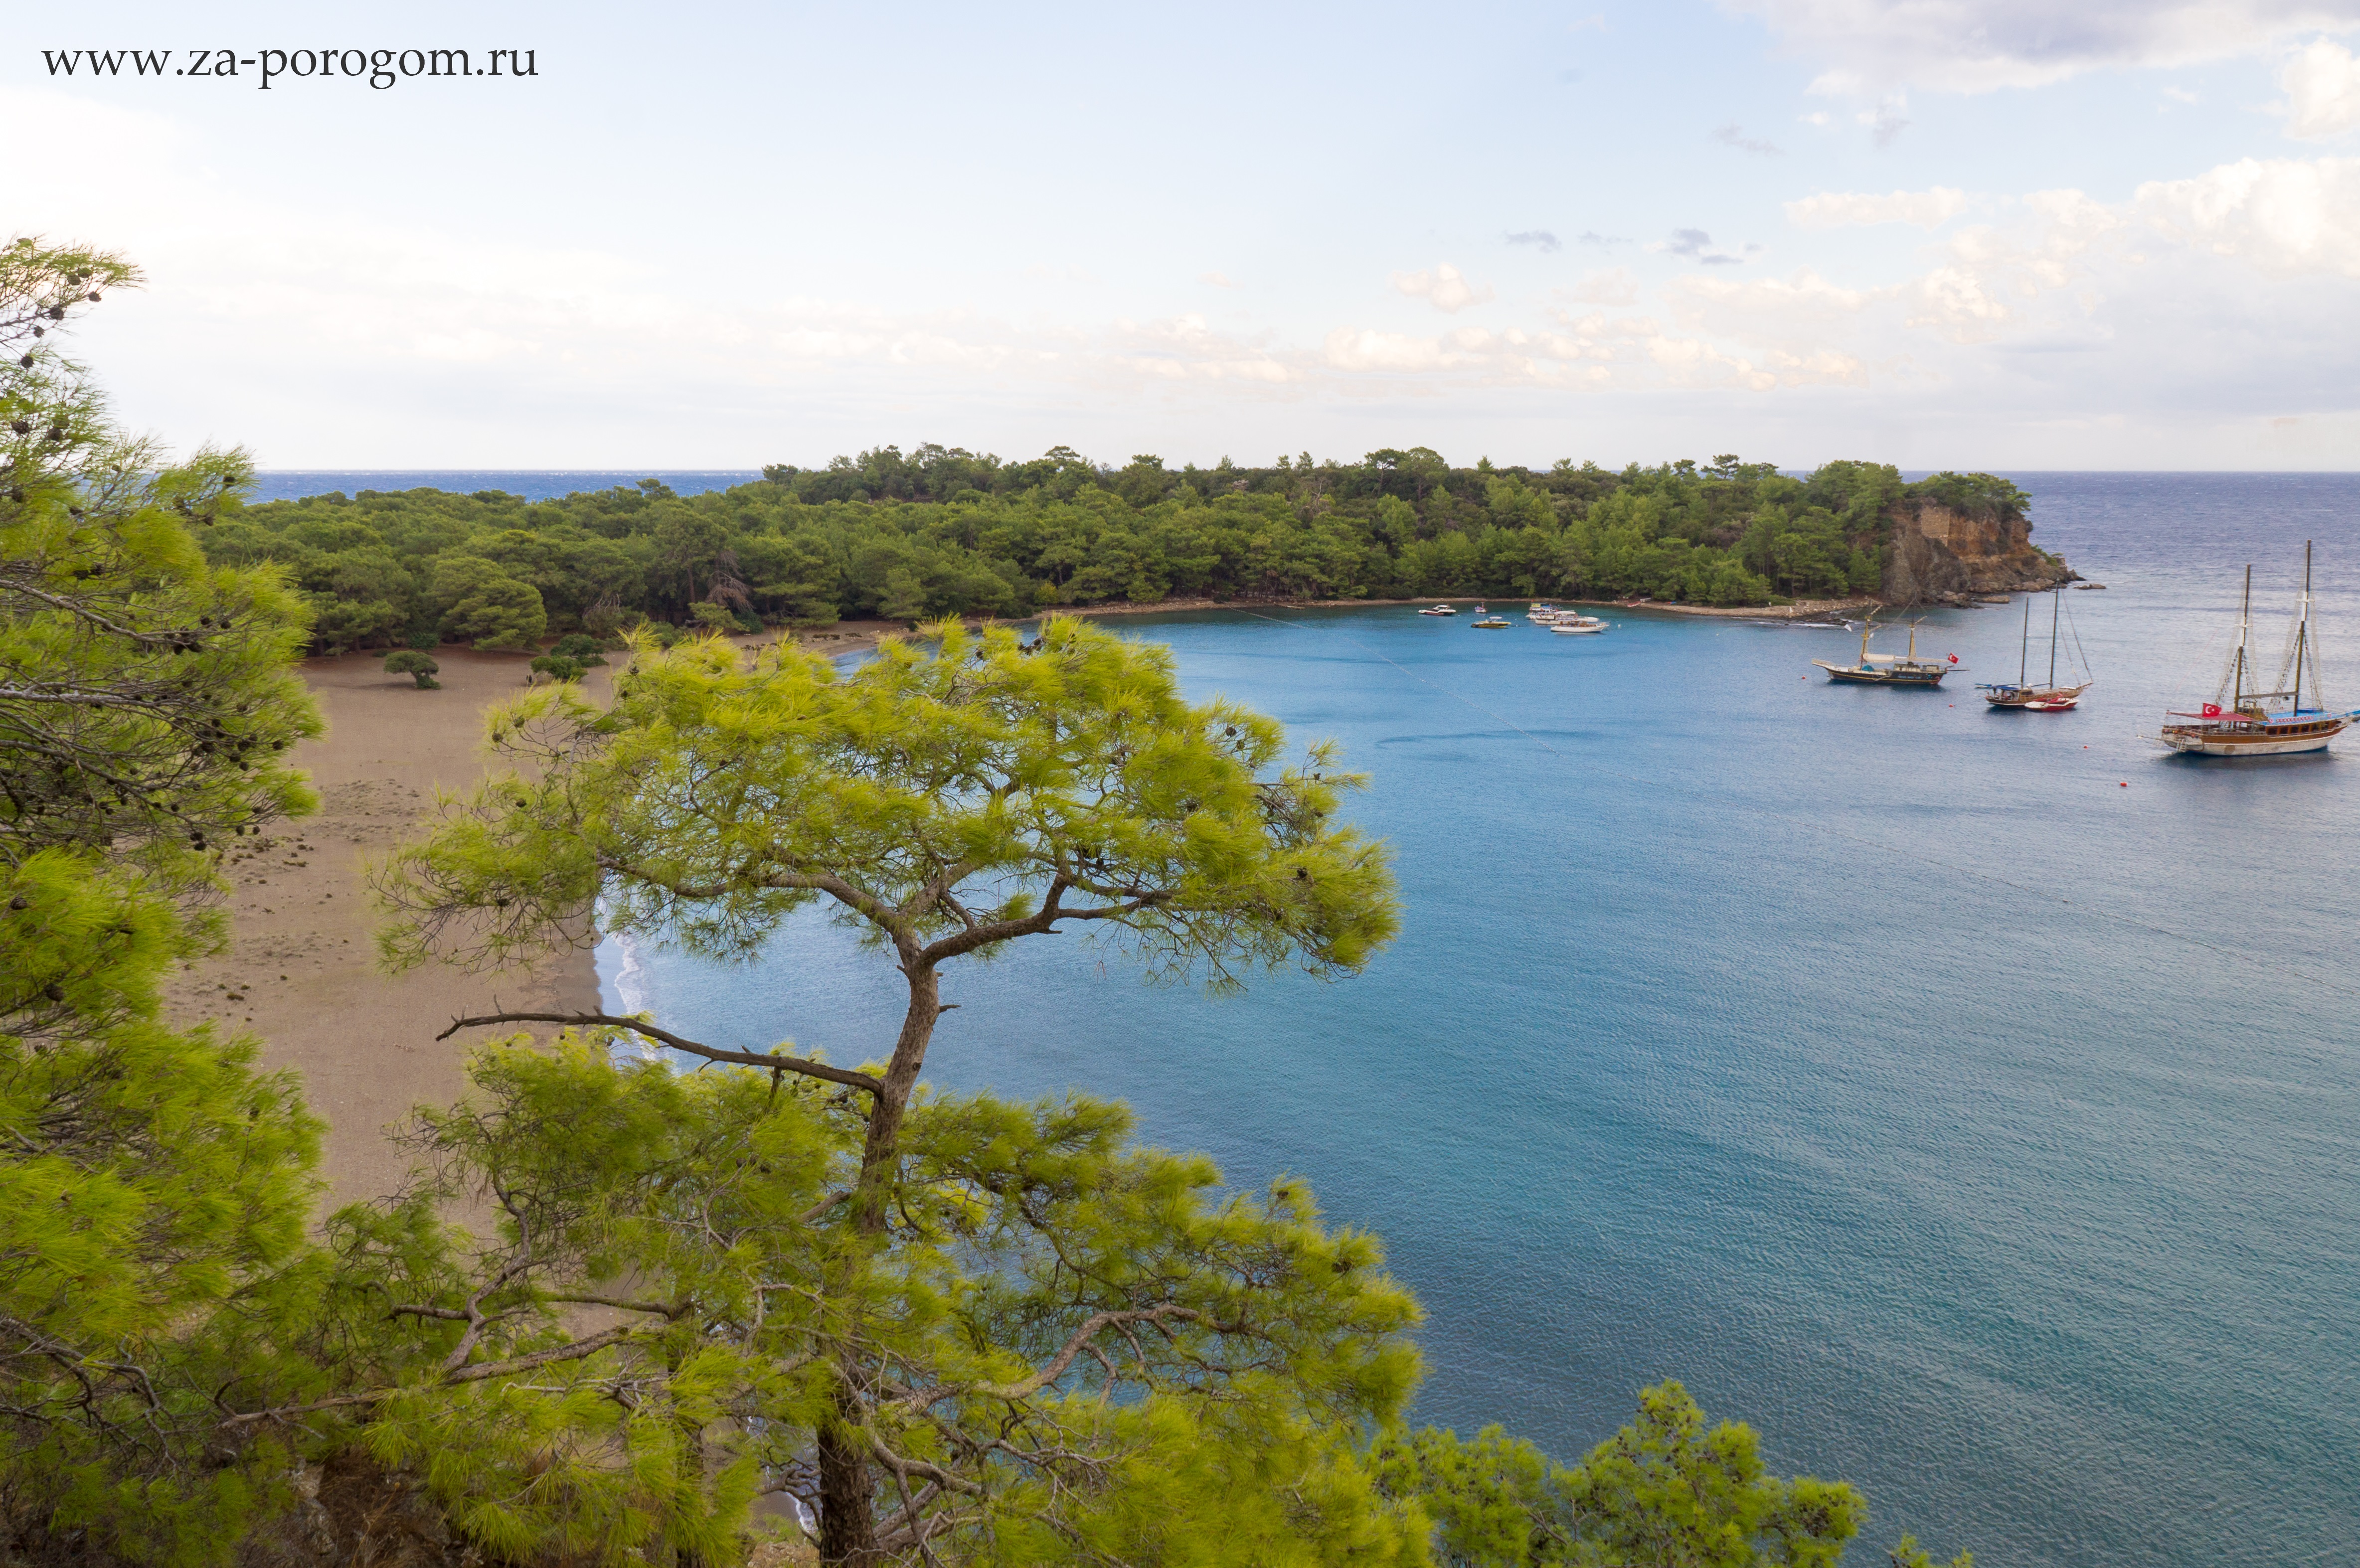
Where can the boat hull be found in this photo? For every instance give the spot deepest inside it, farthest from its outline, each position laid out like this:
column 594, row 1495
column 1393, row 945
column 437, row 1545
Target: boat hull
column 2191, row 741
column 1883, row 676
column 2038, row 699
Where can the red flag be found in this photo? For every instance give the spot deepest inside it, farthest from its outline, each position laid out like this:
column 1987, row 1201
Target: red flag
column 2212, row 710
column 1954, row 659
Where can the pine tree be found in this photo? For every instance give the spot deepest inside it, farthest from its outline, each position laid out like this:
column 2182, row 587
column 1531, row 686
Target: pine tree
column 954, row 795
column 154, row 1185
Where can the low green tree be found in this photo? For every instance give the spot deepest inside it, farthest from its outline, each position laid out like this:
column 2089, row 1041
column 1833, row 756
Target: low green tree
column 580, row 647
column 410, row 661
column 1666, row 1491
column 559, row 668
column 951, row 796
column 482, row 604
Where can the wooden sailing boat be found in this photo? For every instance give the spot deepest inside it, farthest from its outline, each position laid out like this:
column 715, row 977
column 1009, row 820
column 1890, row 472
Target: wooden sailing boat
column 1885, row 669
column 2246, row 725
column 2049, row 699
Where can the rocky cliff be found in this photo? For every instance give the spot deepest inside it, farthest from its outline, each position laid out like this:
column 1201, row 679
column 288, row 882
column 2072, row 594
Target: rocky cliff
column 1939, row 555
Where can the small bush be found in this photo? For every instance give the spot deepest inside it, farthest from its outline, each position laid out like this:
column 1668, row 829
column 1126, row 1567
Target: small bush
column 413, row 662
column 580, row 647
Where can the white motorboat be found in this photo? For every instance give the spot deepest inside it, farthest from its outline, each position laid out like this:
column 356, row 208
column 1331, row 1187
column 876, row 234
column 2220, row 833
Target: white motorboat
column 1439, row 610
column 1577, row 625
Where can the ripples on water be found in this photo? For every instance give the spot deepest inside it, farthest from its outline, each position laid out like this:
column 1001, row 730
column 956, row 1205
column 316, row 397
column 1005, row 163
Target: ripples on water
column 1981, row 1129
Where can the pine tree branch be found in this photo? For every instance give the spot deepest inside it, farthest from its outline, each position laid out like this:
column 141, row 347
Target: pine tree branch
column 774, row 1060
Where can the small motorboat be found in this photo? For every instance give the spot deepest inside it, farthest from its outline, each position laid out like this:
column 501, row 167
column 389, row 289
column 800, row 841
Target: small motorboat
column 1439, row 610
column 1492, row 624
column 1577, row 625
column 2050, row 705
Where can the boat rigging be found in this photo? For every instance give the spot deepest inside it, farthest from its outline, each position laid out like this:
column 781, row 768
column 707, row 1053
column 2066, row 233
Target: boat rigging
column 2050, row 698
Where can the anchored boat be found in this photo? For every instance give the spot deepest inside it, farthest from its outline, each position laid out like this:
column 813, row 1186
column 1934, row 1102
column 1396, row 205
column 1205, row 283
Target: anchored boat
column 2050, row 698
column 2248, row 724
column 1889, row 669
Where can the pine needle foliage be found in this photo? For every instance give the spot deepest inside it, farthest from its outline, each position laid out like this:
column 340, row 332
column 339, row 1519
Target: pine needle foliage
column 1667, row 1491
column 1069, row 1349
column 154, row 1184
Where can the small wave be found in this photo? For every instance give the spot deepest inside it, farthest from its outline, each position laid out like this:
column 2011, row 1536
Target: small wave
column 634, row 991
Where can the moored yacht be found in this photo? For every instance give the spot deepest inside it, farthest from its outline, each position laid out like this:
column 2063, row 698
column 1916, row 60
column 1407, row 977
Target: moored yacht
column 1888, row 668
column 2247, row 724
column 2050, row 698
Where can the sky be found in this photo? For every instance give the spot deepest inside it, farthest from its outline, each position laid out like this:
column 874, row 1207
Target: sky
column 1975, row 233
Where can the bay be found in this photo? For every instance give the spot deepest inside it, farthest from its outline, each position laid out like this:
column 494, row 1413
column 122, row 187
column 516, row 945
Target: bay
column 1967, row 1099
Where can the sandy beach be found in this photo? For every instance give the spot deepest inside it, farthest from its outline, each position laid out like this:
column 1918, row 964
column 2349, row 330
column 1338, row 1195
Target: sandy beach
column 300, row 970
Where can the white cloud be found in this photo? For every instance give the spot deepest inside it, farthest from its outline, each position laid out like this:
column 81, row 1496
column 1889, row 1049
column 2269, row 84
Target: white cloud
column 1364, row 348
column 1217, row 279
column 2322, row 91
column 2285, row 216
column 1604, row 286
column 1844, row 209
column 1867, row 47
column 1445, row 288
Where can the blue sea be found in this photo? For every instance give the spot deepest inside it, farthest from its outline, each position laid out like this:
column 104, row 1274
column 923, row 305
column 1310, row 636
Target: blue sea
column 1969, row 1100
column 532, row 484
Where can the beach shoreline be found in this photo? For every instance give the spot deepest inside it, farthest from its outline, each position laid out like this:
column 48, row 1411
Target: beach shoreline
column 859, row 637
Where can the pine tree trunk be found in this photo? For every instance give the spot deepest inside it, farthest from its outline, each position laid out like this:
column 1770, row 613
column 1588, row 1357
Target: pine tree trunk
column 848, row 1518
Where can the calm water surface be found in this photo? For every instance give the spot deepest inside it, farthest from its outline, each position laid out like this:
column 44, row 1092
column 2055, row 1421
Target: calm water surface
column 1983, row 1130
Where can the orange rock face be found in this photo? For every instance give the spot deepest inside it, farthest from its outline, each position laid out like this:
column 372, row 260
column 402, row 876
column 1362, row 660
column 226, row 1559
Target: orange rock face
column 1942, row 554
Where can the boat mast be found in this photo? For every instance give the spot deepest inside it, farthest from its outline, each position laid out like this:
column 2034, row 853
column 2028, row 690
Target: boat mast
column 2024, row 648
column 2052, row 637
column 2302, row 628
column 2244, row 614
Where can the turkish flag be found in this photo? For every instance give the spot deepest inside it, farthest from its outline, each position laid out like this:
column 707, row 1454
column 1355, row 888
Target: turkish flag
column 1954, row 659
column 2212, row 710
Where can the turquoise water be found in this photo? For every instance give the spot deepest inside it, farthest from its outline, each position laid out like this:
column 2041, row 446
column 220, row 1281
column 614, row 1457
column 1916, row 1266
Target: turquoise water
column 1981, row 1129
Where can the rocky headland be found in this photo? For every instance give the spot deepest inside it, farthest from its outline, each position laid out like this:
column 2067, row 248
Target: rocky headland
column 1941, row 555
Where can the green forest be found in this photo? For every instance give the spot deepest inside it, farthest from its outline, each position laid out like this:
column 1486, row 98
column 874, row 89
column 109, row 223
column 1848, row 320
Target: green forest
column 945, row 532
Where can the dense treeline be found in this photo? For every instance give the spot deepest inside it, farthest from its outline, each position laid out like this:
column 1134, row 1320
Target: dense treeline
column 944, row 531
